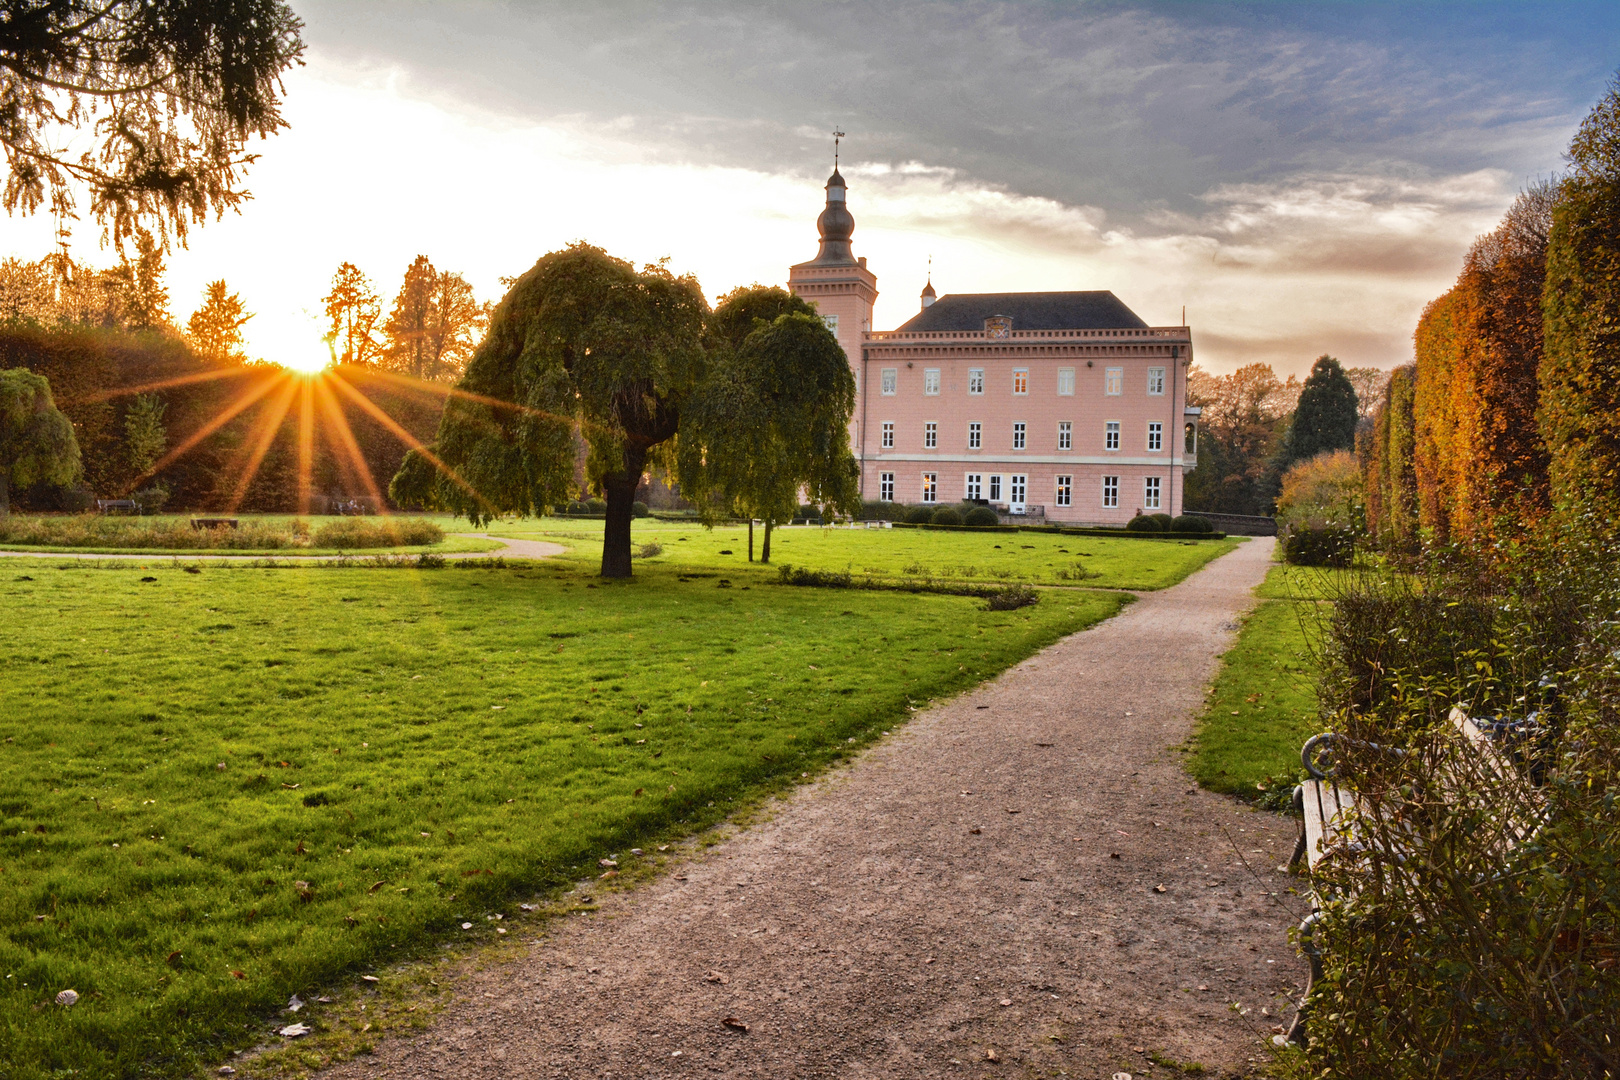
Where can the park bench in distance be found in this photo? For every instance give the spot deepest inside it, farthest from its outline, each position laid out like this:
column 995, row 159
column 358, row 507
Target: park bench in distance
column 1329, row 812
column 118, row 506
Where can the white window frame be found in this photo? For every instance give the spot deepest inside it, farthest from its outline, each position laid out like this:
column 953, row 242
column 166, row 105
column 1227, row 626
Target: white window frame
column 1017, row 489
column 930, row 487
column 1151, row 493
column 886, row 487
column 887, row 441
column 1111, row 435
column 1020, row 434
column 1114, row 381
column 1020, row 381
column 1155, row 382
column 931, row 382
column 1155, row 440
column 1065, row 490
column 995, row 487
column 1066, row 382
column 973, row 486
column 1065, row 435
column 1110, row 491
column 976, row 381
column 930, row 435
column 891, row 381
column 831, row 322
column 975, row 435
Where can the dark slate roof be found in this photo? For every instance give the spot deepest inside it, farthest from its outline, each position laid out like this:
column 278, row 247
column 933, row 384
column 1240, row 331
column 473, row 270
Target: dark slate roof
column 1099, row 310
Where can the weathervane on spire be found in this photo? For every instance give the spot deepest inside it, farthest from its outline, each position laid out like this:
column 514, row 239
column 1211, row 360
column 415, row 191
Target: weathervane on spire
column 836, row 136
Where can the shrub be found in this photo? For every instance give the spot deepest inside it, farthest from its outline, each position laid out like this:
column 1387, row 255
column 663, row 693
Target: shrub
column 1164, row 521
column 946, row 516
column 807, row 511
column 1325, row 489
column 981, row 515
column 374, row 532
column 639, row 509
column 920, row 515
column 882, row 511
column 595, row 506
column 1012, row 598
column 649, row 550
column 1320, row 545
column 1189, row 523
column 1144, row 523
column 151, row 499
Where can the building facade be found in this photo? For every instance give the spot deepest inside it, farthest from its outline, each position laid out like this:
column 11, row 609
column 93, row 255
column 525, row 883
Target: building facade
column 1063, row 405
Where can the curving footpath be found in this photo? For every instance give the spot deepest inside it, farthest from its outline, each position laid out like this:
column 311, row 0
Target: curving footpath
column 1021, row 875
column 514, row 549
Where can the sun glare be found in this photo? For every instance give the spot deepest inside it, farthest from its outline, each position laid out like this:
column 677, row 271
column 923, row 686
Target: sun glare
column 306, row 364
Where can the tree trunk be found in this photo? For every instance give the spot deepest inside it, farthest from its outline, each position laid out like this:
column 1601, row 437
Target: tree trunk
column 620, row 489
column 5, row 493
column 750, row 539
column 765, row 552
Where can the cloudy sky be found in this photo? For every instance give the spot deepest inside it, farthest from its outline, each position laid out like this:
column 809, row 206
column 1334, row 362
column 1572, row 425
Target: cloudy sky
column 1302, row 178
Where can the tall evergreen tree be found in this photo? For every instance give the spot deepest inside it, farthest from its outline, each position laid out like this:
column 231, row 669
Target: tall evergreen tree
column 1580, row 369
column 1325, row 418
column 215, row 328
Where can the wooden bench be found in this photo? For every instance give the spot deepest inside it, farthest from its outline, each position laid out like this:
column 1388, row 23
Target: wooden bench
column 1328, row 812
column 118, row 506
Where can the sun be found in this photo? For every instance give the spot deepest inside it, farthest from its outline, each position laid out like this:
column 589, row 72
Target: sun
column 307, row 363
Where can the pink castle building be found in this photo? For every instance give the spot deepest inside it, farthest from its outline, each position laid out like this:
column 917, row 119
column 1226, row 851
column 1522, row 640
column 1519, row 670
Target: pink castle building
column 1057, row 404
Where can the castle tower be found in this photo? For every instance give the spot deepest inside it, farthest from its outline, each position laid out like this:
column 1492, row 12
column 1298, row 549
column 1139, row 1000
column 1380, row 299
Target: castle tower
column 835, row 281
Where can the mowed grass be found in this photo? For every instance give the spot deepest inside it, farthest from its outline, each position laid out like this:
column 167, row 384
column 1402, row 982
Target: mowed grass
column 101, row 535
column 1040, row 558
column 219, row 788
column 1263, row 704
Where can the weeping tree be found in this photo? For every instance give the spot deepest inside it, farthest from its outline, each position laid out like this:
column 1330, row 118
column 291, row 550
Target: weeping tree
column 772, row 419
column 583, row 346
column 36, row 441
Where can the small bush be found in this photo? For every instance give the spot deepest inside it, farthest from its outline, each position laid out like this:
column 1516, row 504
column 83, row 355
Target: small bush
column 1189, row 523
column 649, row 550
column 981, row 515
column 1164, row 521
column 595, row 506
column 882, row 511
column 946, row 516
column 374, row 532
column 1012, row 598
column 920, row 515
column 1320, row 545
column 1144, row 523
column 152, row 499
column 639, row 509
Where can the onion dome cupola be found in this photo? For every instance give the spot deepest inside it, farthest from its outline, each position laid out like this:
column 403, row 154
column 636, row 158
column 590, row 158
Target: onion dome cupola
column 928, row 294
column 836, row 225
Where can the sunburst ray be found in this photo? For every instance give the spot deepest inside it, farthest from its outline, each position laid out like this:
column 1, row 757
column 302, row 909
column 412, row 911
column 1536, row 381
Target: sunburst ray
column 306, row 444
column 266, row 428
column 407, row 438
column 338, row 428
column 163, row 384
column 219, row 420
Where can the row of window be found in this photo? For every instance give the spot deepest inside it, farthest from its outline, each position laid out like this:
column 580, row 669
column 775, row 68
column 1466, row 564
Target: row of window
column 1020, row 432
column 1113, row 381
column 988, row 486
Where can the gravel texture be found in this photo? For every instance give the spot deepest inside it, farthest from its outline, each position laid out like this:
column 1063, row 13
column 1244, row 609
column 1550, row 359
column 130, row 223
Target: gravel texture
column 1021, row 881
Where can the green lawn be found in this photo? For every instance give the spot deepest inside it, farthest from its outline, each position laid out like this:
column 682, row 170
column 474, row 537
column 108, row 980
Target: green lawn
column 1040, row 558
column 221, row 787
column 1263, row 704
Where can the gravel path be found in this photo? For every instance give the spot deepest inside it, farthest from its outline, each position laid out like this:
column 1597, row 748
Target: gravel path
column 1022, row 875
column 516, row 549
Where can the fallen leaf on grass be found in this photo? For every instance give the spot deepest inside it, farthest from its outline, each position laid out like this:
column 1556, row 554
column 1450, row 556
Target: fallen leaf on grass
column 990, row 1055
column 175, row 959
column 71, row 997
column 377, row 886
column 239, row 974
column 369, row 978
column 294, row 1003
column 290, row 787
column 293, row 1031
column 733, row 1022
column 1158, row 888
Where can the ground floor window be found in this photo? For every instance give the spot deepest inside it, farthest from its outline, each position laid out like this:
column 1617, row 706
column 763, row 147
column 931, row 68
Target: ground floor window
column 1150, row 493
column 995, row 487
column 1016, row 485
column 975, row 485
column 886, row 486
column 1065, row 490
column 930, row 487
column 1110, row 490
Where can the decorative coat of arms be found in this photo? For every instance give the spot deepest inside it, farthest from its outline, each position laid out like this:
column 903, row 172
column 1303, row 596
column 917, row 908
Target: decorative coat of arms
column 998, row 326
